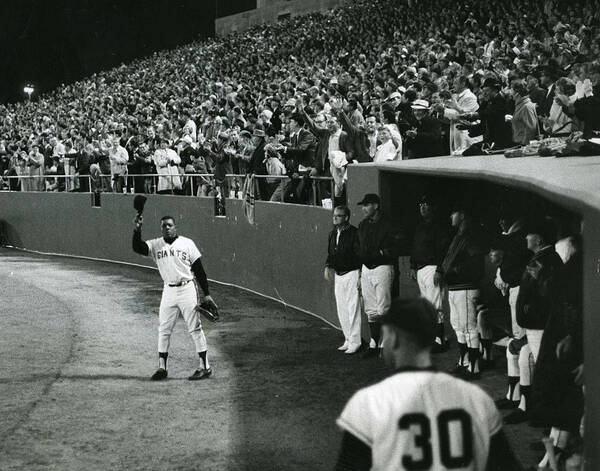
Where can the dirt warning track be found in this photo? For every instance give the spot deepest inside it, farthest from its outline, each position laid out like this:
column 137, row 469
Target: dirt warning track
column 78, row 344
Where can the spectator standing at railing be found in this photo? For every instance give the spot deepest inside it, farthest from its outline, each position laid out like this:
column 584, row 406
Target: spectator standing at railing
column 424, row 138
column 35, row 165
column 163, row 159
column 336, row 149
column 257, row 163
column 299, row 154
column 524, row 121
column 463, row 102
column 561, row 119
column 118, row 165
column 58, row 148
column 82, row 163
column 70, row 167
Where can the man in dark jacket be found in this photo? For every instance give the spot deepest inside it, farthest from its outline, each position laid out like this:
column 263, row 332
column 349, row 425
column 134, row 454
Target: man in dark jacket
column 299, row 154
column 364, row 138
column 461, row 271
column 333, row 144
column 534, row 304
column 257, row 161
column 343, row 259
column 492, row 113
column 380, row 245
column 430, row 243
column 424, row 139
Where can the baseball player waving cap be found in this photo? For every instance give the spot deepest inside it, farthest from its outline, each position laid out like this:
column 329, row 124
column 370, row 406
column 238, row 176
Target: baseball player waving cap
column 180, row 266
column 419, row 418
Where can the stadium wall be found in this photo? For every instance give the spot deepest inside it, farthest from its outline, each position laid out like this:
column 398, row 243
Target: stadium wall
column 281, row 256
column 268, row 11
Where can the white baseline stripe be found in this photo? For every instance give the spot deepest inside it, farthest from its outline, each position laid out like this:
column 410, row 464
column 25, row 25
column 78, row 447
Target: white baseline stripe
column 279, row 300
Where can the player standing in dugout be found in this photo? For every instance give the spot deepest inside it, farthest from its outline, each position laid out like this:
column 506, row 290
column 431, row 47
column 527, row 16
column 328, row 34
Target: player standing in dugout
column 430, row 244
column 179, row 264
column 380, row 245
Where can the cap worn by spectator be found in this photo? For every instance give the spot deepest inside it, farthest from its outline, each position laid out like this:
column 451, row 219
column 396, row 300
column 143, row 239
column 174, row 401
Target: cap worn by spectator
column 491, row 83
column 394, row 96
column 291, row 102
column 370, row 198
column 420, row 105
column 416, row 316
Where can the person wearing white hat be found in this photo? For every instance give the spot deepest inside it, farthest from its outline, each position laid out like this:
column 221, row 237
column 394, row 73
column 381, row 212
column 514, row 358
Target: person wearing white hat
column 463, row 102
column 424, row 139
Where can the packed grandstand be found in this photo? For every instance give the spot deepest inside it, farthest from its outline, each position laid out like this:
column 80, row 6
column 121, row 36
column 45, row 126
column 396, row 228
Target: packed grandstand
column 443, row 77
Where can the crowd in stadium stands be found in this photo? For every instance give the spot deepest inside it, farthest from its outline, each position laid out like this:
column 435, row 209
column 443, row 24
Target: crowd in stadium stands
column 370, row 81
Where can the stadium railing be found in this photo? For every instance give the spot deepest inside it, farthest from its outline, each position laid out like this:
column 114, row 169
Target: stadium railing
column 105, row 183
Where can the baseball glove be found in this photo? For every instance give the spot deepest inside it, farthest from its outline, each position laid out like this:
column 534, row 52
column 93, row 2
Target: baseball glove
column 209, row 309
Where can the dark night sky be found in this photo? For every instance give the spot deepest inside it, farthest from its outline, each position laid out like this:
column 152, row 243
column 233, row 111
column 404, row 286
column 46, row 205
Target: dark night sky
column 49, row 42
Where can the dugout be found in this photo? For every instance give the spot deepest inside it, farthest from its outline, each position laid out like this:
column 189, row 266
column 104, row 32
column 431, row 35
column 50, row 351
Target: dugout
column 568, row 189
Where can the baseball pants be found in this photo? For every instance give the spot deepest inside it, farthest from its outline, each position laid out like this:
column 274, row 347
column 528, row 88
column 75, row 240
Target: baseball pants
column 376, row 287
column 534, row 340
column 428, row 290
column 513, row 294
column 463, row 316
column 347, row 300
column 176, row 299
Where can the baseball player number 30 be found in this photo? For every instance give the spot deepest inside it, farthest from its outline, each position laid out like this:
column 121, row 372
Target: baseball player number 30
column 461, row 436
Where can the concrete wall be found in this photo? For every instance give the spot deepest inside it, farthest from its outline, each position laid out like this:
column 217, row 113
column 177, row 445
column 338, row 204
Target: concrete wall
column 268, row 11
column 282, row 256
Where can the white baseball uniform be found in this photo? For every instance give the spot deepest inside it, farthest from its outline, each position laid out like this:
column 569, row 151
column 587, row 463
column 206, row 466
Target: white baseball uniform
column 422, row 419
column 180, row 292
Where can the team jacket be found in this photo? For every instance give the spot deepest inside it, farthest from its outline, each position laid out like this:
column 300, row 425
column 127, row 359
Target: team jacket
column 342, row 254
column 515, row 258
column 537, row 297
column 430, row 244
column 463, row 266
column 380, row 242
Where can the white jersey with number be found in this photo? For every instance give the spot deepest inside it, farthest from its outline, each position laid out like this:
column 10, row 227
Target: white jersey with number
column 423, row 420
column 174, row 260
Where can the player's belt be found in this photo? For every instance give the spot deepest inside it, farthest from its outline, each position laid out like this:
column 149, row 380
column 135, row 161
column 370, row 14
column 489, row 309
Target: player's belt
column 181, row 283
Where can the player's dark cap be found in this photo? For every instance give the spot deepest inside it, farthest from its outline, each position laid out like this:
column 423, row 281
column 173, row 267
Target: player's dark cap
column 414, row 315
column 428, row 200
column 370, row 198
column 545, row 228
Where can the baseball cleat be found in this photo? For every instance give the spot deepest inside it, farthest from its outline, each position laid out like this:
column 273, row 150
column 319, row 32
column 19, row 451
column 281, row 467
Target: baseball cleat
column 159, row 375
column 200, row 374
column 344, row 347
column 352, row 349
